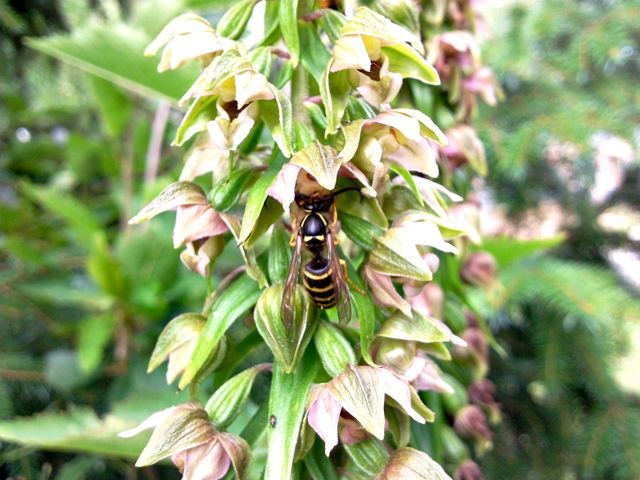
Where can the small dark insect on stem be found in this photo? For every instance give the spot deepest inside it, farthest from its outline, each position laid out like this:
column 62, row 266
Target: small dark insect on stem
column 272, row 421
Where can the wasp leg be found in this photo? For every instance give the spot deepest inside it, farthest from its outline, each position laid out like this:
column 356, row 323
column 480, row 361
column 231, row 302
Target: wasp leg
column 294, row 227
column 345, row 272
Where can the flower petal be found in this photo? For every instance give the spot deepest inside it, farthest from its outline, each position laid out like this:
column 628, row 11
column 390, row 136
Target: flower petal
column 383, row 291
column 194, row 222
column 361, row 393
column 150, row 422
column 173, row 196
column 399, row 390
column 349, row 52
column 283, row 188
column 208, row 461
column 323, row 417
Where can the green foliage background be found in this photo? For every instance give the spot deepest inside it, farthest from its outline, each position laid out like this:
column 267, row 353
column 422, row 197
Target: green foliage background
column 82, row 298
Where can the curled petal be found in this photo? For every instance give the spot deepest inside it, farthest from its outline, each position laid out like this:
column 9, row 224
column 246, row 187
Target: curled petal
column 150, row 422
column 324, row 414
column 204, row 157
column 208, row 461
column 194, row 222
column 350, row 52
column 350, row 170
column 251, row 86
column 384, row 292
column 399, row 390
column 283, row 188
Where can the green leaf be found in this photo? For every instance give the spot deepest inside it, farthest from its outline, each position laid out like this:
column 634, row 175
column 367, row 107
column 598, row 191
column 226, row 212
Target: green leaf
column 78, row 429
column 94, row 337
column 313, row 53
column 334, row 349
column 288, row 19
column 228, row 401
column 115, row 52
column 360, row 231
column 114, row 106
column 279, row 255
column 332, row 22
column 334, row 89
column 201, row 112
column 83, row 223
column 407, row 62
column 365, row 311
column 234, row 302
column 404, row 173
column 318, row 465
column 234, row 21
column 287, row 404
column 258, row 195
column 277, row 114
column 508, row 250
column 104, row 268
column 420, row 328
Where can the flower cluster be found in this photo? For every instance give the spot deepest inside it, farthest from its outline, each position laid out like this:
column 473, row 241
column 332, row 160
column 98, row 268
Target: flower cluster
column 360, row 157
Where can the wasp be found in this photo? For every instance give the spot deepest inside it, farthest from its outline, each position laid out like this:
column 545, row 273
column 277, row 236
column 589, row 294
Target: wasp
column 324, row 275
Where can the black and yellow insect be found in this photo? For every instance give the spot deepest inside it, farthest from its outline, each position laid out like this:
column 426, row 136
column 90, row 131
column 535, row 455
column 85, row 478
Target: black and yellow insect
column 323, row 275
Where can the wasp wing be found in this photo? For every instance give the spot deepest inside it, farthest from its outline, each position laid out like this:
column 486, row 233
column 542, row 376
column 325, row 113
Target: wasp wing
column 343, row 303
column 287, row 307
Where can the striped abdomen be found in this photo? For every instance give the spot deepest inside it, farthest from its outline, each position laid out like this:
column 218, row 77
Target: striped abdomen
column 316, row 276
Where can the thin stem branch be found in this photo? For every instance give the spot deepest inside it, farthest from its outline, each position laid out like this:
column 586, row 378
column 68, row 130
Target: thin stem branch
column 154, row 152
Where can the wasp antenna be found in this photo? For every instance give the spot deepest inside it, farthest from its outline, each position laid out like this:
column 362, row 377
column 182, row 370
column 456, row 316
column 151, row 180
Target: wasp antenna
column 347, row 189
column 416, row 173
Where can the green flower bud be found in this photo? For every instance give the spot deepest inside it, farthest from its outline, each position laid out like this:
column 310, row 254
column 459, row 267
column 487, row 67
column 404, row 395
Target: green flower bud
column 454, row 402
column 454, row 448
column 226, row 403
column 334, row 349
column 397, row 354
column 287, row 344
column 369, row 456
column 226, row 193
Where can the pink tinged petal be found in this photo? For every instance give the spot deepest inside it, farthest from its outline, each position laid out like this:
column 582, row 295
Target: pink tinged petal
column 415, row 368
column 429, row 379
column 203, row 158
column 283, row 188
column 379, row 92
column 452, row 337
column 398, row 389
column 350, row 170
column 428, row 234
column 417, row 155
column 178, row 360
column 384, row 293
column 238, row 450
column 406, row 125
column 194, row 222
column 323, row 417
column 251, row 86
column 350, row 52
column 361, row 393
column 208, row 461
column 431, row 193
column 184, row 48
column 150, row 422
